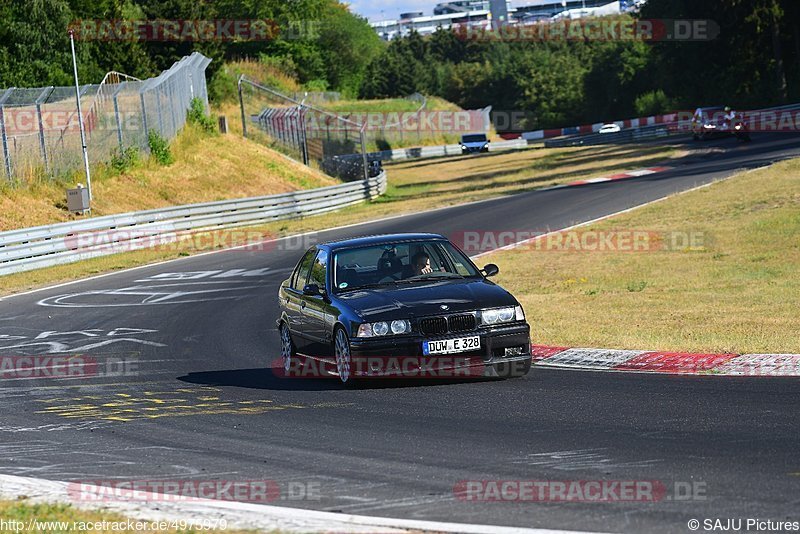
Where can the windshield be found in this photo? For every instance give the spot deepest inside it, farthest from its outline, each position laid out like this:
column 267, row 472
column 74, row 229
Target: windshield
column 400, row 263
column 474, row 138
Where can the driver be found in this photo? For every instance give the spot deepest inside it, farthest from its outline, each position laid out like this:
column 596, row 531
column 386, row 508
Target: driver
column 420, row 264
column 730, row 115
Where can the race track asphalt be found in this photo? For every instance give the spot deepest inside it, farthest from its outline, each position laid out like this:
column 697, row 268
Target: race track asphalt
column 198, row 401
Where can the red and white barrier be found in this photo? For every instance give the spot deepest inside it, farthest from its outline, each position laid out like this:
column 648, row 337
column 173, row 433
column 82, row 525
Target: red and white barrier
column 614, row 177
column 634, row 361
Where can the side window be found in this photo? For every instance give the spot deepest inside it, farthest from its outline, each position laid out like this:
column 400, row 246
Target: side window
column 318, row 270
column 301, row 273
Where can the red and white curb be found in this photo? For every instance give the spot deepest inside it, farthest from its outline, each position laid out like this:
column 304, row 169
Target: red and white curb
column 681, row 363
column 614, row 177
column 240, row 515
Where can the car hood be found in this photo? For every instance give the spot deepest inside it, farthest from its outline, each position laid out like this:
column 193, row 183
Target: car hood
column 475, row 144
column 418, row 300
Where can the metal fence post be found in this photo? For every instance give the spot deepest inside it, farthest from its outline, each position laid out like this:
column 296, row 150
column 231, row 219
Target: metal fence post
column 304, row 140
column 116, row 115
column 362, row 134
column 172, row 103
column 6, row 155
column 42, row 145
column 241, row 106
column 144, row 118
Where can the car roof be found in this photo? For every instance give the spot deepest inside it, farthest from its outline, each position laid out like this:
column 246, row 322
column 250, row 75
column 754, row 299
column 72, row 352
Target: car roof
column 382, row 239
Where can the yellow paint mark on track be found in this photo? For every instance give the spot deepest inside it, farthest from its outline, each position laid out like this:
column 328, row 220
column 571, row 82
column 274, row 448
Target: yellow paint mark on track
column 179, row 402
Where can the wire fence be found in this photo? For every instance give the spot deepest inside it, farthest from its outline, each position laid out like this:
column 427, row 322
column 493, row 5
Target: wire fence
column 318, row 138
column 40, row 127
column 348, row 145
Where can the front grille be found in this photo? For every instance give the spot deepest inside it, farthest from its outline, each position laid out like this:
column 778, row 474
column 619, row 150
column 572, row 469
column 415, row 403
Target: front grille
column 462, row 323
column 432, row 326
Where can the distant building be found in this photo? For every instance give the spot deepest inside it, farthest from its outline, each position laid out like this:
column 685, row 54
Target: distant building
column 460, row 6
column 425, row 25
column 486, row 13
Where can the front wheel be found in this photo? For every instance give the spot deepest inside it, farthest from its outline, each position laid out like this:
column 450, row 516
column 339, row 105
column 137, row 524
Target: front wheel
column 287, row 348
column 514, row 369
column 341, row 347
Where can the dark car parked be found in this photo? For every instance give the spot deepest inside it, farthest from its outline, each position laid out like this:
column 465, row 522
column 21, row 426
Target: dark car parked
column 406, row 298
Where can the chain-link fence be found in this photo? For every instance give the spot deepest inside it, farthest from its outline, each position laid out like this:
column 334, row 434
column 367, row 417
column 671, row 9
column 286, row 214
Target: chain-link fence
column 40, row 127
column 318, row 138
column 349, row 145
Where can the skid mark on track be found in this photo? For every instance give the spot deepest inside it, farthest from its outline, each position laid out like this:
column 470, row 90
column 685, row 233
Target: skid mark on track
column 578, row 460
column 181, row 402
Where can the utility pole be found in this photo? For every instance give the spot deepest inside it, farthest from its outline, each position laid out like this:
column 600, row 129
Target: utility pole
column 80, row 115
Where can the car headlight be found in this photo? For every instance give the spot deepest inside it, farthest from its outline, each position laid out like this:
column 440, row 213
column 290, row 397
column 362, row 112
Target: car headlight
column 463, row 147
column 502, row 315
column 400, row 327
column 383, row 328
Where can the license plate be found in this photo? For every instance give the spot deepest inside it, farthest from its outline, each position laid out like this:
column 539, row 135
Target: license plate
column 449, row 346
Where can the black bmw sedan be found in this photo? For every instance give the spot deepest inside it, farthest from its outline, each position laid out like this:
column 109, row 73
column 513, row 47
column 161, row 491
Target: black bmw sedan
column 400, row 305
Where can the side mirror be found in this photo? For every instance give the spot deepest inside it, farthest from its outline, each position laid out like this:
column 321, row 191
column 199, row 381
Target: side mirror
column 312, row 290
column 490, row 270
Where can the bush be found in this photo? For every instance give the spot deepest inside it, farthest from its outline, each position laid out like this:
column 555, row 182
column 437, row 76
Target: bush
column 316, row 85
column 122, row 160
column 222, row 87
column 652, row 103
column 197, row 116
column 159, row 148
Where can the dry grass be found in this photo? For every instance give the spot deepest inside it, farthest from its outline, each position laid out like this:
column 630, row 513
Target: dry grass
column 205, row 169
column 738, row 292
column 467, row 178
column 24, row 512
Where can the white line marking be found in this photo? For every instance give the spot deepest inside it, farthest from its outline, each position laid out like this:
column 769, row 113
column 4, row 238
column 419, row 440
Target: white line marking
column 243, row 515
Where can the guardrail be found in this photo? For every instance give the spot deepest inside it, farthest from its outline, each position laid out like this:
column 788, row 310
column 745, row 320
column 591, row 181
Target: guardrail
column 437, row 151
column 44, row 246
column 630, row 135
column 678, row 126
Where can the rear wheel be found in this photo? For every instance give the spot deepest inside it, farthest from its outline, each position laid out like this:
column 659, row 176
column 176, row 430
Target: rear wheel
column 514, row 369
column 341, row 347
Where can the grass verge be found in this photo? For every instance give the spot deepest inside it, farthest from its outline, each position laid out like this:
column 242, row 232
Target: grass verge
column 464, row 179
column 738, row 291
column 206, row 168
column 65, row 518
column 411, row 190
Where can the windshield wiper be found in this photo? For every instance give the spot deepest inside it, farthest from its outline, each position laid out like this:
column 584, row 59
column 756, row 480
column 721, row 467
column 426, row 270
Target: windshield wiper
column 431, row 277
column 367, row 286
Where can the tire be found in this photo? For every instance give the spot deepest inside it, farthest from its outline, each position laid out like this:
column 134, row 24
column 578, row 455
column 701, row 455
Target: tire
column 288, row 350
column 515, row 369
column 341, row 349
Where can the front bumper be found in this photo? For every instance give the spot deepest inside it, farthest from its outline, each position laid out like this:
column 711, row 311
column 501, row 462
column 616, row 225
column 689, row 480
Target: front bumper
column 403, row 356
